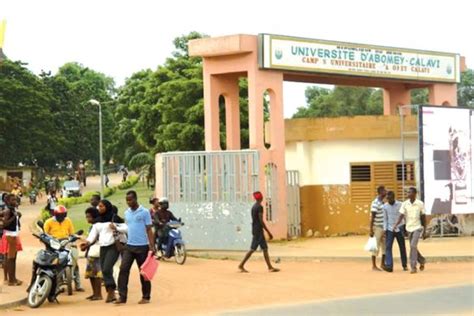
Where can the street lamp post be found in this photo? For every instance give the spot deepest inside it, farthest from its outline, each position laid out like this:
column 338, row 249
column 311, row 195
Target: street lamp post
column 101, row 163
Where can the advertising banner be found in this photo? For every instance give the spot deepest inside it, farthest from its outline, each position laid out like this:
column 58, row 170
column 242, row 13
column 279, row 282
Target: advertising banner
column 309, row 55
column 446, row 136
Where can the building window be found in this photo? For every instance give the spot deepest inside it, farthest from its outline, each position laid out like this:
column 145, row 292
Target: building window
column 360, row 173
column 367, row 176
column 409, row 171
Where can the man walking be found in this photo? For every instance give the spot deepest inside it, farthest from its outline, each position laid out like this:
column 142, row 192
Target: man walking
column 258, row 226
column 376, row 226
column 413, row 211
column 391, row 212
column 140, row 242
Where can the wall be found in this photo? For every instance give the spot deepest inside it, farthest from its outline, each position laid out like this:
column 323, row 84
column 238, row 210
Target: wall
column 227, row 226
column 327, row 210
column 328, row 162
column 323, row 149
column 5, row 185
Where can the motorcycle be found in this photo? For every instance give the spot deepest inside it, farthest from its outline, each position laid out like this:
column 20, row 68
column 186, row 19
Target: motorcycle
column 53, row 269
column 32, row 197
column 173, row 244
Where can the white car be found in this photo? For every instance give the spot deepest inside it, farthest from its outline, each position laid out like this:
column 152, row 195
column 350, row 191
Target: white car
column 71, row 188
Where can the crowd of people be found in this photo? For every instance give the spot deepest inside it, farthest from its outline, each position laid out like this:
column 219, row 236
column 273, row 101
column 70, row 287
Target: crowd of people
column 111, row 238
column 393, row 220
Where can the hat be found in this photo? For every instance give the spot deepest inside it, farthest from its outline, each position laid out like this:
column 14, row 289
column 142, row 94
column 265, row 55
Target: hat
column 258, row 195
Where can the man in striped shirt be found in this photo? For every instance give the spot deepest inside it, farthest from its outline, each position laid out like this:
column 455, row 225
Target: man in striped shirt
column 376, row 226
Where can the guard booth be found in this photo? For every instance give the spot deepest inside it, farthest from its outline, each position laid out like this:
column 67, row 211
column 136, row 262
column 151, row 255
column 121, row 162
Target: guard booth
column 218, row 182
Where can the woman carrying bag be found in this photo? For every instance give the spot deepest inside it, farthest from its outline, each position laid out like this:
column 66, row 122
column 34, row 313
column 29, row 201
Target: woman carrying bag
column 93, row 270
column 104, row 234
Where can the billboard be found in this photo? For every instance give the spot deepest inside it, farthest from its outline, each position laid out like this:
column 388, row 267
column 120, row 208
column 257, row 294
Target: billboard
column 446, row 136
column 321, row 56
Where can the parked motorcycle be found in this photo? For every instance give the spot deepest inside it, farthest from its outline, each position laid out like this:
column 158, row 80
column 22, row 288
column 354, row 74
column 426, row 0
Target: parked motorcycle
column 53, row 268
column 173, row 244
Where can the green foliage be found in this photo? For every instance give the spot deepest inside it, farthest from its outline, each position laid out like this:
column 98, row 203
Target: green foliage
column 342, row 101
column 350, row 101
column 46, row 120
column 163, row 110
column 466, row 89
column 419, row 96
column 131, row 181
column 25, row 117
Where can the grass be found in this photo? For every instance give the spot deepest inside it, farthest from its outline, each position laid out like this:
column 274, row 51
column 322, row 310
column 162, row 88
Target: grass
column 76, row 212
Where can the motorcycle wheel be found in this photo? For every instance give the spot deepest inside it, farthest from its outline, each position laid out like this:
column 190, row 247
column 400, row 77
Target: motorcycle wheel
column 180, row 254
column 39, row 291
column 68, row 276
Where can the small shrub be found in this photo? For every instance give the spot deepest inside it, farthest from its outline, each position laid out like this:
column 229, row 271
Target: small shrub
column 45, row 215
column 132, row 180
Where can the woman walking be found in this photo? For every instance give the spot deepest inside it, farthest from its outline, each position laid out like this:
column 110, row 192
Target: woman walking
column 109, row 253
column 93, row 270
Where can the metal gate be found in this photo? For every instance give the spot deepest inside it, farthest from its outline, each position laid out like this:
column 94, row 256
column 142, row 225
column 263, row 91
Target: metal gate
column 212, row 193
column 293, row 200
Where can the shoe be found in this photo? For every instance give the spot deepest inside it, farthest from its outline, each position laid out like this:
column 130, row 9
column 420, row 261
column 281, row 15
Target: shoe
column 16, row 283
column 387, row 269
column 96, row 298
column 80, row 289
column 413, row 271
column 120, row 301
column 90, row 297
column 144, row 301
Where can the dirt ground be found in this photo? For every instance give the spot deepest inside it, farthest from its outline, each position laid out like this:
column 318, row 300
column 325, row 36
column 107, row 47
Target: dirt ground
column 214, row 286
column 210, row 286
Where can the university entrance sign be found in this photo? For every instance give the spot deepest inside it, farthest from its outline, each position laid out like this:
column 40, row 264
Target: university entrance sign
column 321, row 56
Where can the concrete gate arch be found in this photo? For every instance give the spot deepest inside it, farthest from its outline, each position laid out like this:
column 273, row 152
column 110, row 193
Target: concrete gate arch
column 228, row 58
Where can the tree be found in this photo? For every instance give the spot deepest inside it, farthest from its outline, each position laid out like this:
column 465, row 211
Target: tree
column 466, row 89
column 75, row 120
column 166, row 106
column 341, row 101
column 25, row 117
column 349, row 101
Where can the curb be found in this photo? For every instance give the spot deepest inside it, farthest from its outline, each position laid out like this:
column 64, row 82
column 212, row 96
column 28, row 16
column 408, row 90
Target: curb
column 13, row 304
column 235, row 257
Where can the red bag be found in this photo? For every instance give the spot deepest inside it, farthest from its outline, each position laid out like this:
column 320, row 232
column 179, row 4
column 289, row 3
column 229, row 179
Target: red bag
column 149, row 267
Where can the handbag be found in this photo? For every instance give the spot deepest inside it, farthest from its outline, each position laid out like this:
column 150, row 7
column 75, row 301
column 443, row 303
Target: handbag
column 149, row 267
column 94, row 251
column 120, row 238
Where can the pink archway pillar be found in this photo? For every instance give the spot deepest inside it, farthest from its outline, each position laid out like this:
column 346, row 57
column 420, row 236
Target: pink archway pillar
column 395, row 95
column 225, row 60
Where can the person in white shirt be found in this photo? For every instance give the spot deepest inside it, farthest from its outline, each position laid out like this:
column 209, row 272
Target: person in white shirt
column 103, row 233
column 413, row 211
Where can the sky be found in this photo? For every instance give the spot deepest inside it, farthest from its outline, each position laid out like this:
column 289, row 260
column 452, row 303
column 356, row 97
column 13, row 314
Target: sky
column 121, row 37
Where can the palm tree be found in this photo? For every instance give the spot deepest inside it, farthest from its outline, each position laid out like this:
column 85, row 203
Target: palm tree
column 144, row 164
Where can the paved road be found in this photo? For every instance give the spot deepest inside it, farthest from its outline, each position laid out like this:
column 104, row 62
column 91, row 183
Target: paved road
column 446, row 301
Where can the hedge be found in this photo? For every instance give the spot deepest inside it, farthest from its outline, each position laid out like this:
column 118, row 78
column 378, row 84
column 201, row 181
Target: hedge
column 70, row 201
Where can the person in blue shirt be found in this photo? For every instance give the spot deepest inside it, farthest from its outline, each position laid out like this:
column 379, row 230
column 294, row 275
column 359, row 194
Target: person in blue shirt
column 140, row 242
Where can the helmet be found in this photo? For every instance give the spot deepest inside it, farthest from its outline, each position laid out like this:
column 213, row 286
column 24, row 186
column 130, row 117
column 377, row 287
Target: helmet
column 60, row 213
column 60, row 209
column 164, row 202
